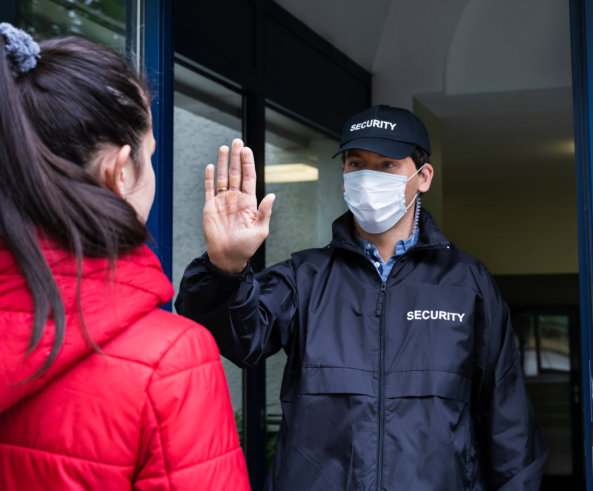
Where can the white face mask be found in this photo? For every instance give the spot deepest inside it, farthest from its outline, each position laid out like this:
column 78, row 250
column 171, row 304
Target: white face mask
column 377, row 199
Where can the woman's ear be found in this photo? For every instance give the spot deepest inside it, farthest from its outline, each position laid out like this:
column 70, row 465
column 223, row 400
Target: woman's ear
column 117, row 170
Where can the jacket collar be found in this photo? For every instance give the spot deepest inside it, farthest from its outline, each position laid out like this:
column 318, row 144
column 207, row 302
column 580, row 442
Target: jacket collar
column 344, row 234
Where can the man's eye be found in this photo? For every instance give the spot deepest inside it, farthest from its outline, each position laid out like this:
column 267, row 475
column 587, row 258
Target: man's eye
column 354, row 163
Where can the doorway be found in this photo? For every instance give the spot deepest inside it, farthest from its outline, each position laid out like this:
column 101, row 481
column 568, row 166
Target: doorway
column 547, row 338
column 503, row 138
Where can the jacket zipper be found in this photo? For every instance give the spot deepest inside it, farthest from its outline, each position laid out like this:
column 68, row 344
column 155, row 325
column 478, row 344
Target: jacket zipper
column 381, row 423
column 380, row 312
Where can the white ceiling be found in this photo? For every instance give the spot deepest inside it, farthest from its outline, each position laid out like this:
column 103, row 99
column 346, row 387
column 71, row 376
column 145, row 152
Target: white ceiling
column 506, row 133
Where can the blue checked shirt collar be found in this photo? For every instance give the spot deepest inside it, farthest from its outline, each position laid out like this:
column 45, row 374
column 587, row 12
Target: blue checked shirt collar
column 383, row 268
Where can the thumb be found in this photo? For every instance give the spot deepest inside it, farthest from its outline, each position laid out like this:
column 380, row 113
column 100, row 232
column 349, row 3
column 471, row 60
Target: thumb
column 264, row 211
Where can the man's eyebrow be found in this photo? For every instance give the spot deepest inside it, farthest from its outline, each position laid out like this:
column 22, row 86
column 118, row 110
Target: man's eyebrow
column 352, row 153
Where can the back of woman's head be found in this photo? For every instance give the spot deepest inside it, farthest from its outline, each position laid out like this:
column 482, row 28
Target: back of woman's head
column 58, row 112
column 81, row 97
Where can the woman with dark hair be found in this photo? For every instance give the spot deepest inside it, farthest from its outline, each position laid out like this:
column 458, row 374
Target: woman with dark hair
column 99, row 388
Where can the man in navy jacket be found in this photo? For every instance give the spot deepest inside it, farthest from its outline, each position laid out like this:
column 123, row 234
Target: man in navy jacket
column 402, row 369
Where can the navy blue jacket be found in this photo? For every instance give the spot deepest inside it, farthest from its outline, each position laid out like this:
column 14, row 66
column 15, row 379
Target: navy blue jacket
column 410, row 384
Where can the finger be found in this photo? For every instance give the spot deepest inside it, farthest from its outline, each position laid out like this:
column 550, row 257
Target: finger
column 235, row 171
column 209, row 190
column 248, row 167
column 222, row 180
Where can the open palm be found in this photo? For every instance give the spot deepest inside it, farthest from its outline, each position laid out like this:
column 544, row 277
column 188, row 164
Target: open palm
column 234, row 226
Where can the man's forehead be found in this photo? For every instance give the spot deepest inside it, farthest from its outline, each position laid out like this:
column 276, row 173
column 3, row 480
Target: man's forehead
column 359, row 152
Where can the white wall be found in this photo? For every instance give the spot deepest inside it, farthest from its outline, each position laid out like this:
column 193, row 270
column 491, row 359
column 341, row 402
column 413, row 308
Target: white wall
column 521, row 218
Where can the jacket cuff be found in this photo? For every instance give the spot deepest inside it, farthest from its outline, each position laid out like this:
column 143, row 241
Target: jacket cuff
column 243, row 275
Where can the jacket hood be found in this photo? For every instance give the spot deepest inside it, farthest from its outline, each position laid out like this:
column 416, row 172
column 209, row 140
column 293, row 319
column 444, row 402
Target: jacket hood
column 344, row 232
column 110, row 301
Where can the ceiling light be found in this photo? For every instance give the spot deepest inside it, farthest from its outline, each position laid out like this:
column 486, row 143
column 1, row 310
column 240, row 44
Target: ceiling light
column 291, row 173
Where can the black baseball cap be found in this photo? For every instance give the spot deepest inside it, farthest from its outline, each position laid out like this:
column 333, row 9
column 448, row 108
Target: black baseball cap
column 389, row 131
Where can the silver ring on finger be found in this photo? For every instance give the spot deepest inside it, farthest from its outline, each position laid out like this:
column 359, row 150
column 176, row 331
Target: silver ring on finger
column 220, row 190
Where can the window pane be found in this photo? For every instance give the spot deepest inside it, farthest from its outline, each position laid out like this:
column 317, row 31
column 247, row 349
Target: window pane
column 554, row 342
column 307, row 183
column 308, row 187
column 552, row 396
column 524, row 327
column 206, row 115
column 102, row 21
column 544, row 347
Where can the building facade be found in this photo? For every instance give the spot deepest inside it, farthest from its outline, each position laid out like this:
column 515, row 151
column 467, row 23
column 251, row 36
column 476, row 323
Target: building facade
column 505, row 89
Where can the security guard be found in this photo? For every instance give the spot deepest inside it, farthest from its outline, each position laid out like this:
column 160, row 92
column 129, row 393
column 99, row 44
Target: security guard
column 402, row 370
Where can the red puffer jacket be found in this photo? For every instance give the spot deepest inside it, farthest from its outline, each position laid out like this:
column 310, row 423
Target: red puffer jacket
column 152, row 411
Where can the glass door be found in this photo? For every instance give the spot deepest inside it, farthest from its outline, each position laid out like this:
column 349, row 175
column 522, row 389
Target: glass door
column 548, row 346
column 308, row 187
column 206, row 115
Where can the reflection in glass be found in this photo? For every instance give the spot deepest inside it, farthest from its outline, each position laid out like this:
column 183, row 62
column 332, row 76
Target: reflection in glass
column 308, row 187
column 524, row 327
column 544, row 347
column 206, row 115
column 555, row 346
column 102, row 21
column 543, row 342
column 307, row 183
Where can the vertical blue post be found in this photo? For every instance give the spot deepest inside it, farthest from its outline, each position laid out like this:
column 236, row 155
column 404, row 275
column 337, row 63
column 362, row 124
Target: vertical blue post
column 581, row 19
column 158, row 61
column 8, row 12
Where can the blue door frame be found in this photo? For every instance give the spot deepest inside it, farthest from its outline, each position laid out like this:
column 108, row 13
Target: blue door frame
column 581, row 18
column 158, row 61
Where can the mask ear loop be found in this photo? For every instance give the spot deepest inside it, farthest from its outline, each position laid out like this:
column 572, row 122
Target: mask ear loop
column 418, row 200
column 414, row 174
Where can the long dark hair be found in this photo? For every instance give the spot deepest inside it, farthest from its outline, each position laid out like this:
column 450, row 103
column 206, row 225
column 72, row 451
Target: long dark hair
column 54, row 119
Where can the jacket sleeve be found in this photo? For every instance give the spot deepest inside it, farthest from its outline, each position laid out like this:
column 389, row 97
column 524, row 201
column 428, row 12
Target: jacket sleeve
column 514, row 451
column 250, row 315
column 188, row 437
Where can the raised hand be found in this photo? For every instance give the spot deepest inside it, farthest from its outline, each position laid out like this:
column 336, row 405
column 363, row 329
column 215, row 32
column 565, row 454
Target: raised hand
column 234, row 226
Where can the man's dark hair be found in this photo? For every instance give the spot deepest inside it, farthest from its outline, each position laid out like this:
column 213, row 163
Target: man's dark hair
column 54, row 119
column 420, row 157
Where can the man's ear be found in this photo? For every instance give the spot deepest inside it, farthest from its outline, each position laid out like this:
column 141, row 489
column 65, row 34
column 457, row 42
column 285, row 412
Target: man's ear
column 116, row 170
column 425, row 175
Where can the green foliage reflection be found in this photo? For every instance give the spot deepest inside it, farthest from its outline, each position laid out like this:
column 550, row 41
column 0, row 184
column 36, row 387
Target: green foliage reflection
column 102, row 21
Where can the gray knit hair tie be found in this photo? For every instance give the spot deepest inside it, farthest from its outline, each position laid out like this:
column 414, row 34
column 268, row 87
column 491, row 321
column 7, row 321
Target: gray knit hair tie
column 21, row 50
